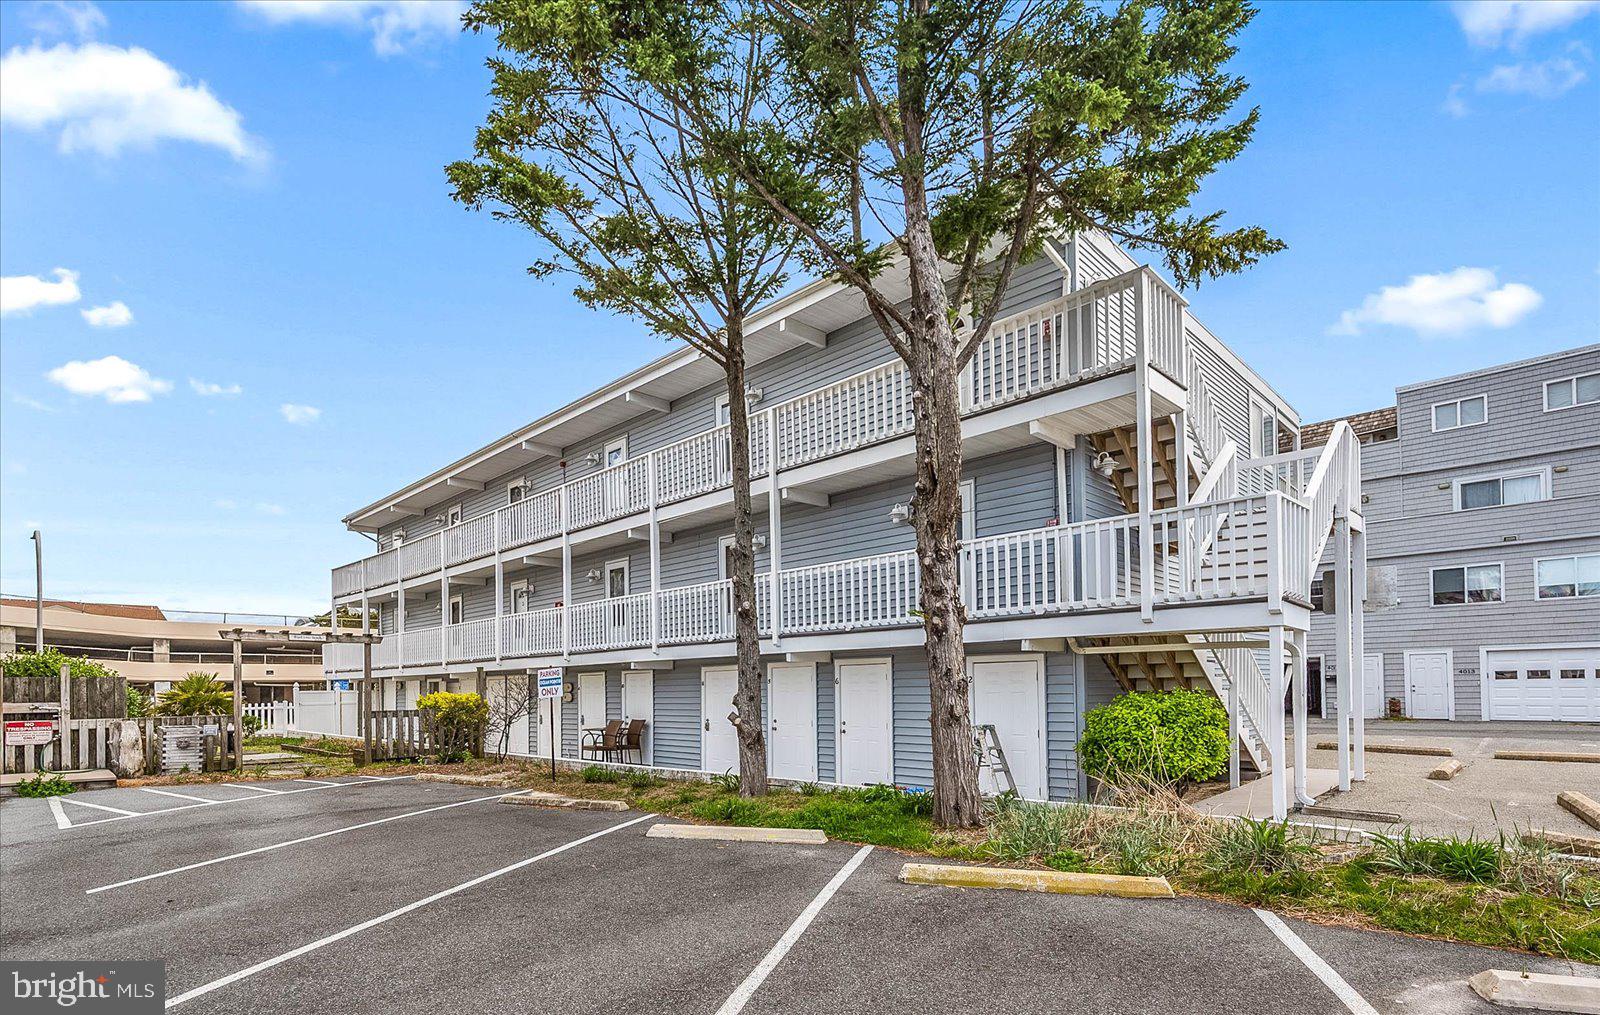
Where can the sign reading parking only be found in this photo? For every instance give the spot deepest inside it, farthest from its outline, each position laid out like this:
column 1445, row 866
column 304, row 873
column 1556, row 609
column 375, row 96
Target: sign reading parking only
column 550, row 689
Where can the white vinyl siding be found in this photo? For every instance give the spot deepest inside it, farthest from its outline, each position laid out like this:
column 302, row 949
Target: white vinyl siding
column 1461, row 412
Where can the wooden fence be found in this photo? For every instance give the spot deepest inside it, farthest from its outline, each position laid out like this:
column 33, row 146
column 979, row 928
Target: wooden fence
column 399, row 733
column 92, row 697
column 88, row 743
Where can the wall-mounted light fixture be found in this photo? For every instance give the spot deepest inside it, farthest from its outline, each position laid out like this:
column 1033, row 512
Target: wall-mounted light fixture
column 593, row 458
column 752, row 396
column 1105, row 464
column 759, row 541
column 594, row 574
column 900, row 514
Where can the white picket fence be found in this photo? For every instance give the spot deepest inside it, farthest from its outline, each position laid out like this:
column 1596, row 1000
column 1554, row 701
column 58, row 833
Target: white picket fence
column 275, row 716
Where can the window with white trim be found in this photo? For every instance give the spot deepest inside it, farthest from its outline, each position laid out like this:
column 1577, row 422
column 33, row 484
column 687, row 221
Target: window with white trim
column 1474, row 583
column 1570, row 392
column 969, row 510
column 457, row 610
column 453, row 516
column 516, row 490
column 725, row 545
column 1500, row 491
column 1461, row 412
column 616, row 453
column 724, row 414
column 520, row 596
column 1575, row 577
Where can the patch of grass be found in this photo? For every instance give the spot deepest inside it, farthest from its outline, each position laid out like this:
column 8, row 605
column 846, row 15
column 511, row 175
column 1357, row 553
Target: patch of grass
column 1265, row 847
column 727, row 782
column 1455, row 859
column 43, row 785
column 867, row 815
column 1069, row 860
column 595, row 773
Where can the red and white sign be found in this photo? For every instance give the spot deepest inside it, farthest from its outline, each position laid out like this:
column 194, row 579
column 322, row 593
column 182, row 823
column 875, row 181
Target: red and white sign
column 30, row 732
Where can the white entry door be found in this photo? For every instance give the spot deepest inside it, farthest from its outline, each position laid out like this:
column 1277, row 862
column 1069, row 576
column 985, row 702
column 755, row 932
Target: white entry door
column 719, row 744
column 591, row 702
column 542, row 726
column 639, row 702
column 517, row 741
column 865, row 752
column 1007, row 695
column 1372, row 686
column 792, row 699
column 1428, row 685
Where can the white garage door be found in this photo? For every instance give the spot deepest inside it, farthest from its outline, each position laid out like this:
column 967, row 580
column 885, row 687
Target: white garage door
column 1550, row 684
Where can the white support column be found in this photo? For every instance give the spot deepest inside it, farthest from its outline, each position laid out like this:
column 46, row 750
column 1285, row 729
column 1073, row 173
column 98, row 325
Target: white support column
column 399, row 624
column 775, row 525
column 566, row 576
column 1347, row 671
column 1277, row 742
column 1180, row 454
column 1358, row 651
column 1234, row 732
column 444, row 617
column 655, row 559
column 499, row 592
column 1301, row 795
column 1144, row 445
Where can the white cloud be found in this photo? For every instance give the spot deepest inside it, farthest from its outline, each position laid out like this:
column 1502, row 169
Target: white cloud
column 1492, row 22
column 32, row 403
column 113, row 315
column 299, row 415
column 20, row 294
column 106, row 98
column 1546, row 79
column 396, row 25
column 76, row 19
column 270, row 509
column 1443, row 304
column 1454, row 104
column 110, row 377
column 210, row 389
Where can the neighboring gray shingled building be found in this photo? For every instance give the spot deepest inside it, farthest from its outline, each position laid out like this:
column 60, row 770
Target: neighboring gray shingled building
column 1483, row 514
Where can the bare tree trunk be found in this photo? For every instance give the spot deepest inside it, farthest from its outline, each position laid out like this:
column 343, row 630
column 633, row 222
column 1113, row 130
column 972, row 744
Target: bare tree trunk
column 747, row 719
column 936, row 516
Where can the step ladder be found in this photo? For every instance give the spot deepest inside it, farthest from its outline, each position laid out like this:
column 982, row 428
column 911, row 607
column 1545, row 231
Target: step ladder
column 992, row 755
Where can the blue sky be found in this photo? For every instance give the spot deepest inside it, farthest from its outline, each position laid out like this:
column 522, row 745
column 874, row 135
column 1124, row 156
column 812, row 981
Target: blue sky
column 269, row 311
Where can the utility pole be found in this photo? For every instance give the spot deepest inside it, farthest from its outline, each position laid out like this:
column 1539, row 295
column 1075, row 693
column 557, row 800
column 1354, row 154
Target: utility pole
column 38, row 592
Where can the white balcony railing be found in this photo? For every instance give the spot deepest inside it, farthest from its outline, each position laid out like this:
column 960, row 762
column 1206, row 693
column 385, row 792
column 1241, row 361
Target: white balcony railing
column 697, row 613
column 1085, row 334
column 470, row 642
column 623, row 622
column 534, row 633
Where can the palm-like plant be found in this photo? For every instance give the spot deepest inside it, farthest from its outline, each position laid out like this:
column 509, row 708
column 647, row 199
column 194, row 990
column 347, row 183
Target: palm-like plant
column 196, row 694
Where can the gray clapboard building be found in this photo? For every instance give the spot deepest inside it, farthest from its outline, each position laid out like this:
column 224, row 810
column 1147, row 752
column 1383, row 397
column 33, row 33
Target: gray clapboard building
column 1128, row 524
column 1482, row 499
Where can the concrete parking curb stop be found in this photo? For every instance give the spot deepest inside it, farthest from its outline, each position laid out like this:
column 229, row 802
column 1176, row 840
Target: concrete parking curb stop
column 1539, row 991
column 1581, row 757
column 537, row 799
column 1425, row 750
column 1055, row 882
column 801, row 836
column 1584, row 807
column 1447, row 771
column 1570, row 843
column 493, row 781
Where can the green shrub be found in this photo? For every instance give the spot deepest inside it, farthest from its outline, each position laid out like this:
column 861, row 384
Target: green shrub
column 139, row 705
column 1173, row 737
column 45, row 785
column 252, row 725
column 1069, row 860
column 48, row 664
column 595, row 773
column 196, row 694
column 455, row 721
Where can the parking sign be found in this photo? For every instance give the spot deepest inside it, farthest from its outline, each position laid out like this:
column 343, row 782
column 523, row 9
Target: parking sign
column 550, row 682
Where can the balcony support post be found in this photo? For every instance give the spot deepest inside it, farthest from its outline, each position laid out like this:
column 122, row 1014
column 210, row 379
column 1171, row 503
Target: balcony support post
column 1358, row 653
column 1234, row 732
column 775, row 525
column 444, row 616
column 1180, row 454
column 400, row 626
column 1275, row 552
column 1301, row 796
column 1146, row 448
column 499, row 600
column 655, row 558
column 1346, row 671
column 1277, row 742
column 566, row 576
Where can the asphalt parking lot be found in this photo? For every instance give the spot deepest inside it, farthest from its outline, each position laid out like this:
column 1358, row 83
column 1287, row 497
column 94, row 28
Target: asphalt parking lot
column 369, row 896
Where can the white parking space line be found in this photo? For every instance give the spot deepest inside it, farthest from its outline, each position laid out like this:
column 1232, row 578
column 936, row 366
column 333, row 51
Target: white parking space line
column 294, row 842
column 1326, row 973
column 316, row 782
column 742, row 993
column 103, row 807
column 62, row 821
column 129, row 815
column 180, row 796
column 258, row 789
column 277, row 960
